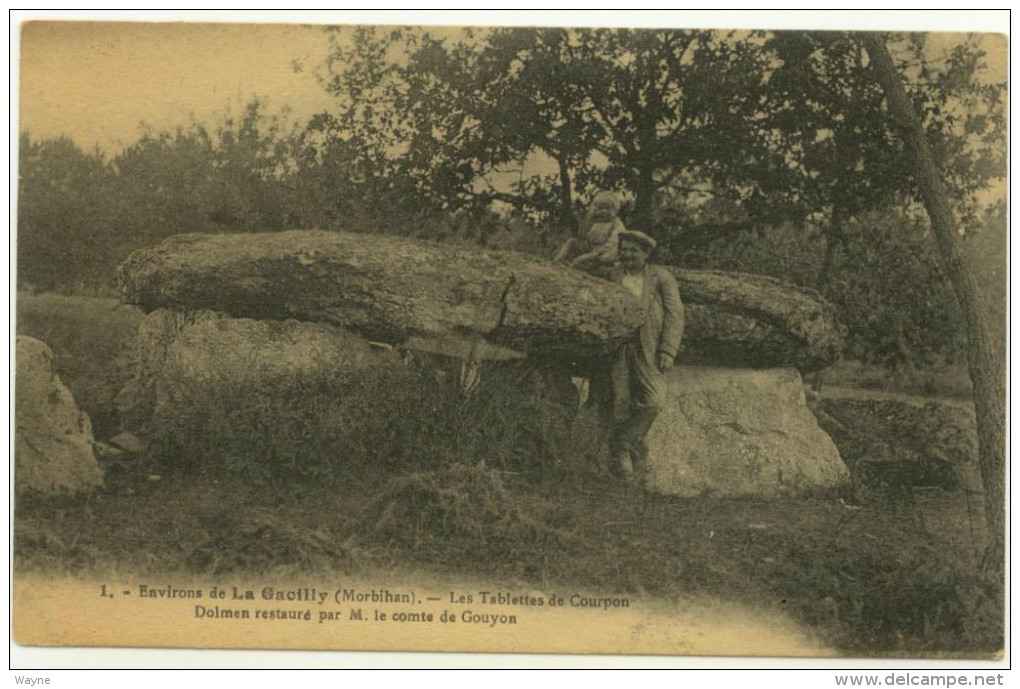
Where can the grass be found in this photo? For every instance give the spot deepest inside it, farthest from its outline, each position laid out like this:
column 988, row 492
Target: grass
column 874, row 580
column 897, row 575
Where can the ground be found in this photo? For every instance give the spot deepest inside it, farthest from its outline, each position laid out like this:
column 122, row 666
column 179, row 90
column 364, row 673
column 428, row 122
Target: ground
column 893, row 571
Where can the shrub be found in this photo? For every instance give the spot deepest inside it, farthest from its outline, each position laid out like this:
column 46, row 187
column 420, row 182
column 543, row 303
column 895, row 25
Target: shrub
column 925, row 604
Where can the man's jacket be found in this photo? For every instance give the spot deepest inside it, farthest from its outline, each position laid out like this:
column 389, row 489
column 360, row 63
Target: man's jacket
column 663, row 327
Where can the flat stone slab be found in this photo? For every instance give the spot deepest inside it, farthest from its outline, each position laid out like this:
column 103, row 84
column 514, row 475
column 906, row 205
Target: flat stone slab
column 755, row 321
column 386, row 288
column 394, row 289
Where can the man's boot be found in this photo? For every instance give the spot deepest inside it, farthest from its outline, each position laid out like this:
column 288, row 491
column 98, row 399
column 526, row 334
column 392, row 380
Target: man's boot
column 620, row 464
column 637, row 428
column 622, row 467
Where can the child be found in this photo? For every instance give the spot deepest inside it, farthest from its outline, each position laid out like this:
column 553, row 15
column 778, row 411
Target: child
column 597, row 252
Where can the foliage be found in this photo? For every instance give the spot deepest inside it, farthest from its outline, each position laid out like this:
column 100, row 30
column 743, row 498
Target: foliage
column 889, row 324
column 900, row 443
column 388, row 417
column 884, row 250
column 844, row 155
column 195, row 180
column 80, row 215
column 985, row 244
column 65, row 203
column 727, row 144
column 788, row 125
column 629, row 109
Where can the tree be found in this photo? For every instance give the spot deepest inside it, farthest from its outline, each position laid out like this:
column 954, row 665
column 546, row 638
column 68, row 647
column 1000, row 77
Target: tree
column 65, row 198
column 341, row 183
column 635, row 110
column 849, row 186
column 984, row 359
column 80, row 215
column 849, row 160
column 197, row 179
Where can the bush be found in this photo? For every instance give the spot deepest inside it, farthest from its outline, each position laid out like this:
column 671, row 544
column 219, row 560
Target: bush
column 898, row 444
column 883, row 251
column 936, row 605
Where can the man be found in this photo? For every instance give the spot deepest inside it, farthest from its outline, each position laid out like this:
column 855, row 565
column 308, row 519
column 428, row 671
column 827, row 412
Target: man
column 639, row 364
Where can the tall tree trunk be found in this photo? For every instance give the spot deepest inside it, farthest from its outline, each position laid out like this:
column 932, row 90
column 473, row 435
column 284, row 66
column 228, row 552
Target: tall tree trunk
column 833, row 238
column 567, row 216
column 984, row 359
column 644, row 198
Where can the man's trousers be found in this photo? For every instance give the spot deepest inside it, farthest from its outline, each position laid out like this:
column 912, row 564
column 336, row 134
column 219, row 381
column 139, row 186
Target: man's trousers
column 638, row 394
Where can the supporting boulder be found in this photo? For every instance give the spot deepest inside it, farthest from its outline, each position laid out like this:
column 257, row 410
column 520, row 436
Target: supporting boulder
column 291, row 398
column 53, row 450
column 737, row 432
column 186, row 356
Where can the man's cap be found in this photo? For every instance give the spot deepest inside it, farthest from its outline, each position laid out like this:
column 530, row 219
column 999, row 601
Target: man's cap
column 639, row 237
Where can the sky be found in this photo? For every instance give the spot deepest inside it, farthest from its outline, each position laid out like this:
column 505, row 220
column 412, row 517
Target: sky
column 97, row 82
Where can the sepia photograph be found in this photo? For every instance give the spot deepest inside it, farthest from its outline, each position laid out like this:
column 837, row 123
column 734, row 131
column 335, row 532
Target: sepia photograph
column 510, row 338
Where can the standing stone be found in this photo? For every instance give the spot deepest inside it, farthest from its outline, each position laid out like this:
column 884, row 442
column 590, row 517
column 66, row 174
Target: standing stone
column 739, row 432
column 53, row 450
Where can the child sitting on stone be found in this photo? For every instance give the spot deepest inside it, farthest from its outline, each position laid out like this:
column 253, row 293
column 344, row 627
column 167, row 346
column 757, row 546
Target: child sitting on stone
column 596, row 252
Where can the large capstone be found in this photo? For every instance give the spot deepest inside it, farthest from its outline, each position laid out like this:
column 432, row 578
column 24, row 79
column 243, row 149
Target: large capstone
column 739, row 432
column 393, row 289
column 53, row 449
column 386, row 288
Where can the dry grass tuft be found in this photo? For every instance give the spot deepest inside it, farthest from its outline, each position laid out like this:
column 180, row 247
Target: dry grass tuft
column 469, row 505
column 257, row 540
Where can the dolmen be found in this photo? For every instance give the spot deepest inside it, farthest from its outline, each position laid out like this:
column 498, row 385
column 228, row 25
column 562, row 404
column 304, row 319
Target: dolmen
column 306, row 303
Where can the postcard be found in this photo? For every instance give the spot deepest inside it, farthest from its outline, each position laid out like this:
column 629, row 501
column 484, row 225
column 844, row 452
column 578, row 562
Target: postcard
column 510, row 339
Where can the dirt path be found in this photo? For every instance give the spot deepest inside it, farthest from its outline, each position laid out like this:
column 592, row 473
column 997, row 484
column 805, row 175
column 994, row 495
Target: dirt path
column 838, row 392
